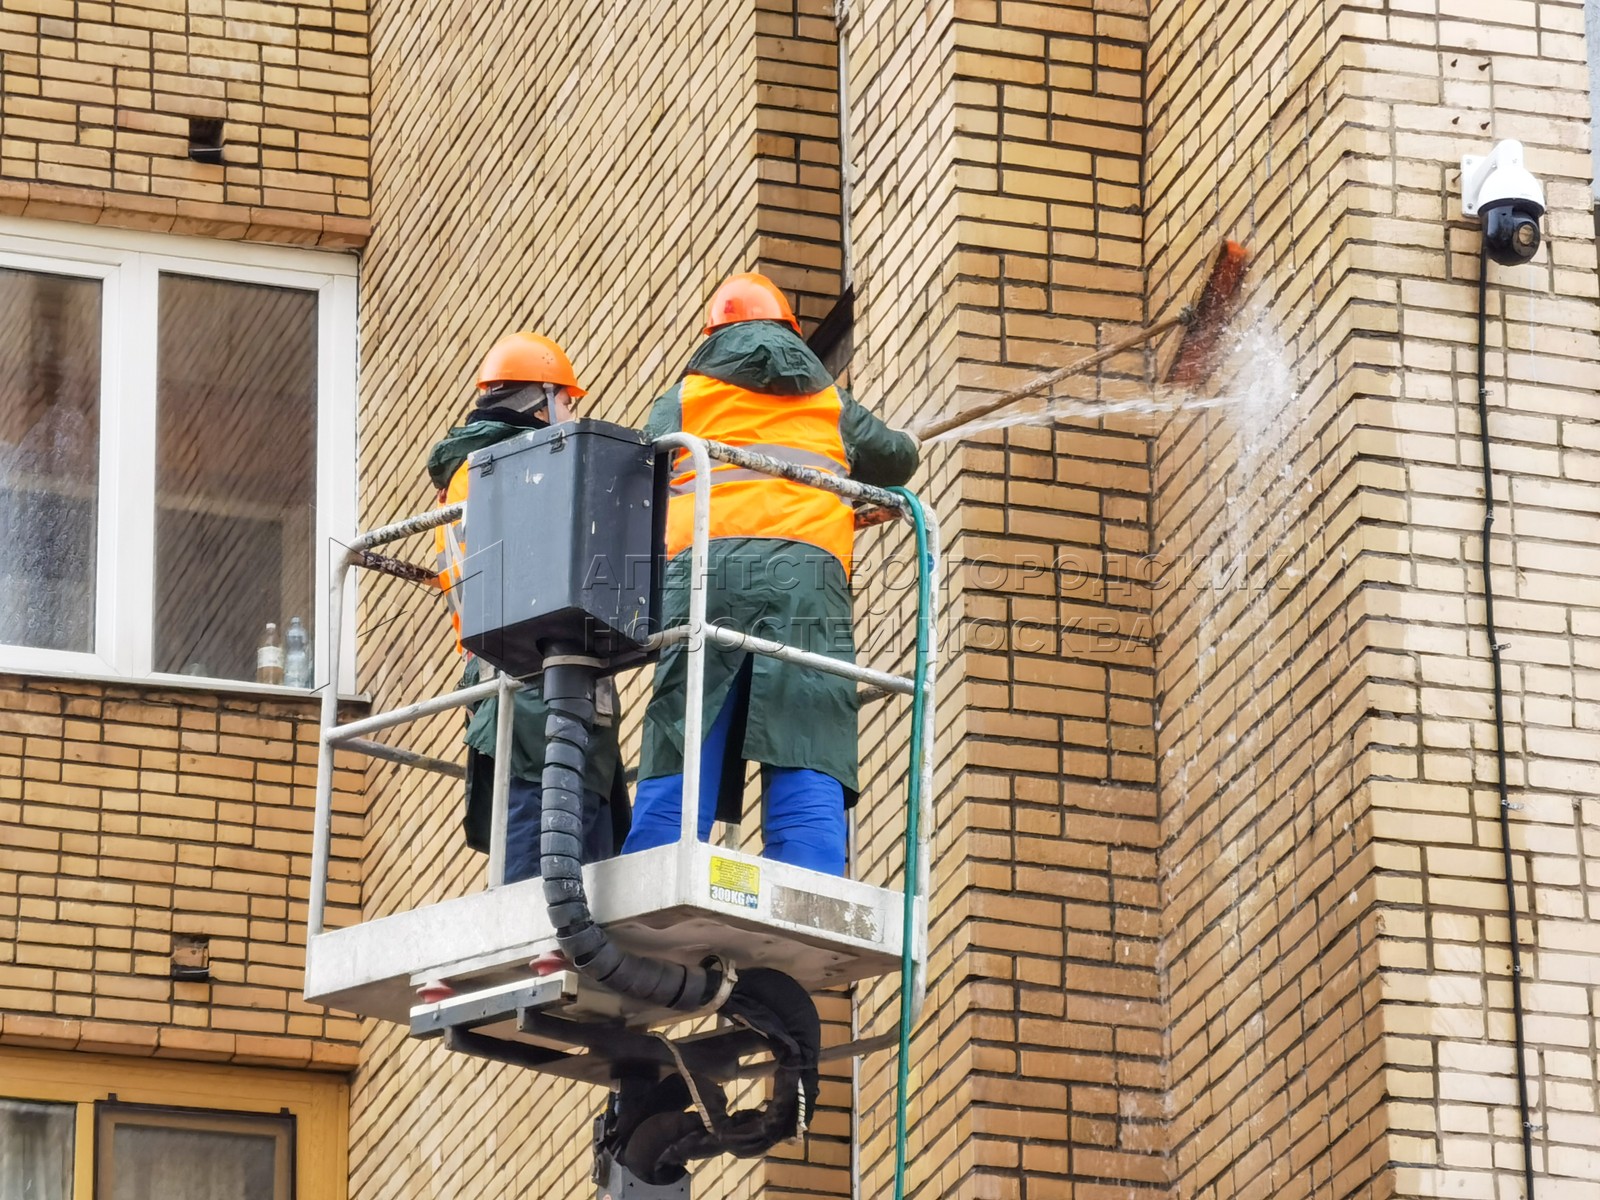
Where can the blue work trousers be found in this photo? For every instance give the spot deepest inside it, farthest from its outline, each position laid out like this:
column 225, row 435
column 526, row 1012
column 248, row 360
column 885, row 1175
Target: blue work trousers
column 803, row 822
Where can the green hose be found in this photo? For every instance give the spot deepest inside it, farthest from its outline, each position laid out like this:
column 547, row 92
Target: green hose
column 902, row 1084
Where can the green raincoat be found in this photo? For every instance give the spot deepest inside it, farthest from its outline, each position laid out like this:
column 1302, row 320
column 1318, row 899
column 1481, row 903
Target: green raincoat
column 603, row 773
column 784, row 590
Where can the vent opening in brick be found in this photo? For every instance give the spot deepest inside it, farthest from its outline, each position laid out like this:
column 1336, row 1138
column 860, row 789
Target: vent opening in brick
column 205, row 139
column 191, row 958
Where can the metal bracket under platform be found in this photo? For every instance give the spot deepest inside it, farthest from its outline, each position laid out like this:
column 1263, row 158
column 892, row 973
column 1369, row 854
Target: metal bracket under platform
column 530, row 1024
column 539, row 1024
column 618, row 1184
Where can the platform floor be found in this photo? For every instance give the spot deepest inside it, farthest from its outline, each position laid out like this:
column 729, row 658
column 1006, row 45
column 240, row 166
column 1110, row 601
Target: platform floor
column 665, row 902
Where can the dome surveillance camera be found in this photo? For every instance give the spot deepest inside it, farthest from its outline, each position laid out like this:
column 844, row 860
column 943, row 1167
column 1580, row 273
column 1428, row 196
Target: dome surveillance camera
column 1512, row 231
column 1499, row 190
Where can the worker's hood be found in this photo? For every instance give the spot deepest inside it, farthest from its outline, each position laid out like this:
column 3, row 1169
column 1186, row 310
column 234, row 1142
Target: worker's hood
column 452, row 449
column 762, row 356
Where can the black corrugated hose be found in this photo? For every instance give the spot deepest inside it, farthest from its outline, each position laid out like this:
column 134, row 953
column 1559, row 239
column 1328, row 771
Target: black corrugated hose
column 569, row 694
column 766, row 1001
column 1524, row 1108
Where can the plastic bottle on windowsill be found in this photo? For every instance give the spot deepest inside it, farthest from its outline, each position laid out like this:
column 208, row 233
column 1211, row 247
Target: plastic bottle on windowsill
column 269, row 656
column 296, row 656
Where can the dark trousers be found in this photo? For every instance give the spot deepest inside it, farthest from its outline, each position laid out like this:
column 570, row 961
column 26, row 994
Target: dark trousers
column 522, row 829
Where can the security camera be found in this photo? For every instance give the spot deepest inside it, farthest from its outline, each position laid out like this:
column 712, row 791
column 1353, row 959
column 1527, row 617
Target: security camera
column 1499, row 189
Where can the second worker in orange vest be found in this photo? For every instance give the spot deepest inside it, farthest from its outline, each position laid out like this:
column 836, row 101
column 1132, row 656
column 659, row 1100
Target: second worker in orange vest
column 526, row 382
column 780, row 563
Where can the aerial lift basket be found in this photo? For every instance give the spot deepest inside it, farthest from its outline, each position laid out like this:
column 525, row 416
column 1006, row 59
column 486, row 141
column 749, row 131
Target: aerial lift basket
column 478, row 969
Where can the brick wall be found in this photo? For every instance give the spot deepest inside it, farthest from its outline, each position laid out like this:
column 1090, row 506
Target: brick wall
column 902, row 240
column 1454, row 1129
column 1331, row 874
column 1057, row 1061
column 977, row 225
column 1275, row 1070
column 797, row 149
column 96, row 104
column 136, row 818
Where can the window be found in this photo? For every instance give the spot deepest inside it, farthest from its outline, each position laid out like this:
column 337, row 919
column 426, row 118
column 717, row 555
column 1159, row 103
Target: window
column 177, row 439
column 49, row 457
column 88, row 1127
column 150, row 1153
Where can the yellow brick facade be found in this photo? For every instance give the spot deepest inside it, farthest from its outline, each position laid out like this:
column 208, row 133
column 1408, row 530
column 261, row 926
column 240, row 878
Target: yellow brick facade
column 97, row 100
column 1333, row 907
column 1218, row 909
column 137, row 817
column 797, row 149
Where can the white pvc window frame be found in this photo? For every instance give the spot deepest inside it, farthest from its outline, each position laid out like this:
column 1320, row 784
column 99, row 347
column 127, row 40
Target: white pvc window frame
column 129, row 265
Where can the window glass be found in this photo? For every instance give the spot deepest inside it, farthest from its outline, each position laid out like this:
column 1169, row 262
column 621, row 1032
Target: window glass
column 173, row 1154
column 236, row 472
column 49, row 458
column 36, row 1150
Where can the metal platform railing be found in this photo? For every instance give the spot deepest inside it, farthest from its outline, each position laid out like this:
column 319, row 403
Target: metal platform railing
column 875, row 506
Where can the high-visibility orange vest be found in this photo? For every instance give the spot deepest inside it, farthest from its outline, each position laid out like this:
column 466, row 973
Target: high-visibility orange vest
column 797, row 429
column 450, row 551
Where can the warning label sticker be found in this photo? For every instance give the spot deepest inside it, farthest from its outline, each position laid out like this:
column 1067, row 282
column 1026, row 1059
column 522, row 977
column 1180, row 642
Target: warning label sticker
column 734, row 882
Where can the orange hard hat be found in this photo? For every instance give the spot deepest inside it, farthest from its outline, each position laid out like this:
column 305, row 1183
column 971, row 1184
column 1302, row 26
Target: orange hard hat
column 748, row 297
column 528, row 358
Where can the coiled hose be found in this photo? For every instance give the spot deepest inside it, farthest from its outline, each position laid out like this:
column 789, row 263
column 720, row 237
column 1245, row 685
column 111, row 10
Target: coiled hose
column 569, row 693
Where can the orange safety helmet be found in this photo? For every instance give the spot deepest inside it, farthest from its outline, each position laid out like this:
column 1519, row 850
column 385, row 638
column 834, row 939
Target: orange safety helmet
column 748, row 297
column 528, row 358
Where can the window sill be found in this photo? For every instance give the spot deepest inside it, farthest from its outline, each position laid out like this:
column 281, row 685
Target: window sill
column 181, row 683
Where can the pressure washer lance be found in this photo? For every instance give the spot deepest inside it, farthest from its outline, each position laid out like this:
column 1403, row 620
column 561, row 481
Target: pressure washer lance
column 983, row 408
column 1202, row 321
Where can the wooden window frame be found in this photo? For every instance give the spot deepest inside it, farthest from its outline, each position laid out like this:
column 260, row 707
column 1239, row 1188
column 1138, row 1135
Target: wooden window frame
column 109, row 1113
column 319, row 1102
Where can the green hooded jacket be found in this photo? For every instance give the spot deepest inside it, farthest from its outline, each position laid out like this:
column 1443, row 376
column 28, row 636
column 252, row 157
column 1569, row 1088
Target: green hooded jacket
column 603, row 773
column 785, row 590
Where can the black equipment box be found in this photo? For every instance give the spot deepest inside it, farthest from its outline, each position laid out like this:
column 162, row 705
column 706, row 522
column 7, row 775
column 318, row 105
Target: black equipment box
column 565, row 534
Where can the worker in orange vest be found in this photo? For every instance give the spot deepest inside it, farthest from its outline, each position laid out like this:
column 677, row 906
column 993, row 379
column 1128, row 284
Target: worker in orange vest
column 780, row 562
column 525, row 382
